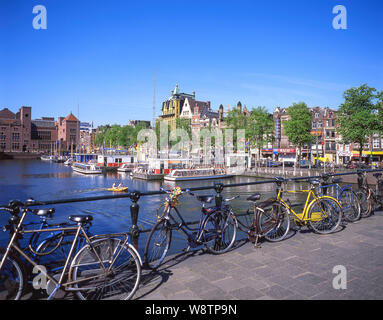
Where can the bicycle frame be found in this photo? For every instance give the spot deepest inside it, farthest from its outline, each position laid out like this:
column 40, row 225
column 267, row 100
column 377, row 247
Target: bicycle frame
column 303, row 217
column 13, row 244
column 184, row 227
column 339, row 191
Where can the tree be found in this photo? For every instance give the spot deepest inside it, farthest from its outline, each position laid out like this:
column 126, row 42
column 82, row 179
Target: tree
column 298, row 127
column 359, row 116
column 260, row 128
column 236, row 120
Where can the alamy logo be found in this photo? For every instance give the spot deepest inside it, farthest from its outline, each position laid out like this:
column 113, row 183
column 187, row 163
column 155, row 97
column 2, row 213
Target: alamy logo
column 39, row 281
column 340, row 20
column 340, row 280
column 40, row 20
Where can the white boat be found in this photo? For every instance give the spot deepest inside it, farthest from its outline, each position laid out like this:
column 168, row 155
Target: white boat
column 197, row 174
column 86, row 168
column 68, row 162
column 125, row 168
column 46, row 158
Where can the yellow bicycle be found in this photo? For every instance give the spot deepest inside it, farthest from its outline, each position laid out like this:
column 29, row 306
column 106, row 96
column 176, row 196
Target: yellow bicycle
column 322, row 213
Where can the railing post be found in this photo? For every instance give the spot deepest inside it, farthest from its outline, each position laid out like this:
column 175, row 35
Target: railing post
column 134, row 209
column 218, row 198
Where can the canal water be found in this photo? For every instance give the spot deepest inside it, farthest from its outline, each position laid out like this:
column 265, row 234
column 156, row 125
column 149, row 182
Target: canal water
column 44, row 180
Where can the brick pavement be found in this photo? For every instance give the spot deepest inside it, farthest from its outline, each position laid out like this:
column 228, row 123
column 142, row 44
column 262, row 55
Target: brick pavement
column 299, row 267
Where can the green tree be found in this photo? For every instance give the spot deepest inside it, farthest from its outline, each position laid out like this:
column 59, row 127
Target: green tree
column 236, row 120
column 359, row 115
column 260, row 128
column 298, row 127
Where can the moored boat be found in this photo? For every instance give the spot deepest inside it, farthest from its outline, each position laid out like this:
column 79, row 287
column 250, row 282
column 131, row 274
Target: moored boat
column 197, row 174
column 125, row 168
column 86, row 168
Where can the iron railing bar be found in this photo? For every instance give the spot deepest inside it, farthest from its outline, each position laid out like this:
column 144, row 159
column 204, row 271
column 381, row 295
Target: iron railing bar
column 149, row 193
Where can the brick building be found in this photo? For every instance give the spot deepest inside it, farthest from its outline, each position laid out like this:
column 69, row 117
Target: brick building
column 19, row 133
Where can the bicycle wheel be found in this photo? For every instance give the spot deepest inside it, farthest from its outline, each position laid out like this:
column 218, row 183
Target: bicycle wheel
column 12, row 277
column 157, row 245
column 325, row 215
column 350, row 205
column 219, row 232
column 53, row 252
column 275, row 222
column 105, row 269
column 365, row 203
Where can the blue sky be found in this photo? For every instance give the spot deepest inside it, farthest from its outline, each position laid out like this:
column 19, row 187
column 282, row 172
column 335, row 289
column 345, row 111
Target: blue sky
column 102, row 55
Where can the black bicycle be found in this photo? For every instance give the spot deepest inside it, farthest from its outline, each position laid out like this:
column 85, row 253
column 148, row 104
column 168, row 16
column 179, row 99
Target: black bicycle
column 217, row 228
column 369, row 198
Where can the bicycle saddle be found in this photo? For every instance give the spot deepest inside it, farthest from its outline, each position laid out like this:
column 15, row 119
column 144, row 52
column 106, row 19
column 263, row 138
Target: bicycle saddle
column 254, row 197
column 279, row 179
column 206, row 199
column 313, row 181
column 80, row 218
column 377, row 175
column 43, row 212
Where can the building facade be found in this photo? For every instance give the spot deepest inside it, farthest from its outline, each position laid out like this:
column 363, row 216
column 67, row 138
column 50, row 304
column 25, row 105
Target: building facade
column 15, row 130
column 19, row 133
column 185, row 106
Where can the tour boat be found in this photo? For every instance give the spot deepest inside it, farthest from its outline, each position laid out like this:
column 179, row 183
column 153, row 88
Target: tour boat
column 125, row 168
column 145, row 174
column 87, row 168
column 46, row 158
column 197, row 174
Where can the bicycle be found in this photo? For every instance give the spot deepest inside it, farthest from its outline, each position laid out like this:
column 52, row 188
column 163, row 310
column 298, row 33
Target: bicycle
column 104, row 267
column 217, row 228
column 322, row 214
column 49, row 249
column 348, row 199
column 368, row 197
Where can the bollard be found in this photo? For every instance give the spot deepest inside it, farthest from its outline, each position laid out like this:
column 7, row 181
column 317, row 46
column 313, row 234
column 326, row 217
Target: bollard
column 134, row 209
column 218, row 187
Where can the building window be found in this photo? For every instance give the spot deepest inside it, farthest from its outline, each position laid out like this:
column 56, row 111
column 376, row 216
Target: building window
column 15, row 136
column 2, row 136
column 375, row 143
column 16, row 129
column 15, row 146
column 2, row 145
column 316, row 115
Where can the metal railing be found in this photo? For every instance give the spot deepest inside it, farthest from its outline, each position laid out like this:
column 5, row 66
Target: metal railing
column 135, row 196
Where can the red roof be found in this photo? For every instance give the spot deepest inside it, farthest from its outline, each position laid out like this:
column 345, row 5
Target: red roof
column 71, row 117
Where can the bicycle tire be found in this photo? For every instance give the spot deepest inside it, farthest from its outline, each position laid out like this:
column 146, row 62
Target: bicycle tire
column 324, row 222
column 12, row 277
column 157, row 244
column 120, row 283
column 277, row 222
column 219, row 232
column 350, row 205
column 53, row 252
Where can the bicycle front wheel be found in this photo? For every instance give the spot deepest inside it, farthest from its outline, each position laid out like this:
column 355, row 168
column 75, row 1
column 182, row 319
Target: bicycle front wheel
column 158, row 243
column 350, row 205
column 219, row 232
column 325, row 215
column 105, row 269
column 12, row 278
column 275, row 222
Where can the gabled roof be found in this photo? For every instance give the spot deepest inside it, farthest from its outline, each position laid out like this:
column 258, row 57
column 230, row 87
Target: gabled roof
column 7, row 114
column 71, row 117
